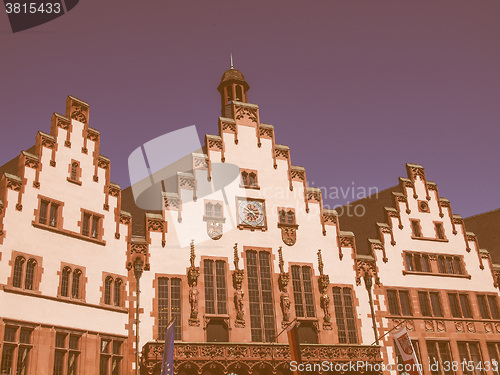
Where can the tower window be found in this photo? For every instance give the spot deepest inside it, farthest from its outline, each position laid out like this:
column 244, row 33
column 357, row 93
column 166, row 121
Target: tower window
column 249, row 179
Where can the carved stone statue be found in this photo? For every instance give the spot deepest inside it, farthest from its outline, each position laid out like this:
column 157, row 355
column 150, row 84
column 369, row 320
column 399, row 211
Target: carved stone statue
column 193, row 301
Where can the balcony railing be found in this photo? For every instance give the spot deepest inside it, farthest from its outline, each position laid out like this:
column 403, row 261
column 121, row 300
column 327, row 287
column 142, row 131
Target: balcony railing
column 245, row 357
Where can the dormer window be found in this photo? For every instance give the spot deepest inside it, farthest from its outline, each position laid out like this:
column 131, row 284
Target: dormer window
column 249, row 179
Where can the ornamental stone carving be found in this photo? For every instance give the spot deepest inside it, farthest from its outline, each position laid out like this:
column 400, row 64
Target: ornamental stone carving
column 238, row 276
column 323, row 284
column 192, row 275
column 283, row 280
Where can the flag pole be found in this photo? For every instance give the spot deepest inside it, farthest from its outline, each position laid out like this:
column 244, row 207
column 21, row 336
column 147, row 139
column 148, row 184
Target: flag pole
column 284, row 329
column 164, row 329
column 389, row 331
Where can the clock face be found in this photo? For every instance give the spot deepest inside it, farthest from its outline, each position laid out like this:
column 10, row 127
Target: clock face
column 251, row 212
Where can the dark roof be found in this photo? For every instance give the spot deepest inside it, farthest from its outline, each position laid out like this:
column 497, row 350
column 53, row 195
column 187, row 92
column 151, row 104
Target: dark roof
column 233, row 75
column 12, row 165
column 365, row 227
column 486, row 227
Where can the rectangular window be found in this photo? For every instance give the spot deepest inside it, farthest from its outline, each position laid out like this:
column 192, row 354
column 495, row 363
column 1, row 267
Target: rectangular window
column 493, row 351
column 439, row 353
column 488, row 306
column 16, row 350
column 417, row 262
column 215, row 287
column 91, row 225
column 459, row 305
column 49, row 213
column 302, row 291
column 260, row 293
column 169, row 305
column 430, row 304
column 111, row 357
column 439, row 230
column 470, row 356
column 399, row 302
column 344, row 315
column 451, row 265
column 415, row 226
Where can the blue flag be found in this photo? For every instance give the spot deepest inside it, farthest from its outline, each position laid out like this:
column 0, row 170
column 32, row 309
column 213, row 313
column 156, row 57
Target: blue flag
column 167, row 363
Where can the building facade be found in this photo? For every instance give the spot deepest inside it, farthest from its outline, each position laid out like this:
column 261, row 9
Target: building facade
column 234, row 248
column 434, row 278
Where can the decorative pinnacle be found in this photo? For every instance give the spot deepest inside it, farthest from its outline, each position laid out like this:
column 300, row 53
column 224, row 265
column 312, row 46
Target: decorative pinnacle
column 281, row 262
column 192, row 256
column 320, row 262
column 236, row 257
column 232, row 66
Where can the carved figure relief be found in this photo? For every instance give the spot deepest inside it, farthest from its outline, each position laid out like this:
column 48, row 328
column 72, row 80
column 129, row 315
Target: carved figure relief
column 193, row 274
column 238, row 276
column 323, row 283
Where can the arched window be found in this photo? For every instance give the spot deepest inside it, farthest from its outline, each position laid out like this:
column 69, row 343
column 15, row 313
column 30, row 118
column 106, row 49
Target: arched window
column 118, row 286
column 239, row 93
column 74, row 171
column 30, row 274
column 75, row 287
column 218, row 210
column 108, row 283
column 65, row 281
column 290, row 217
column 18, row 272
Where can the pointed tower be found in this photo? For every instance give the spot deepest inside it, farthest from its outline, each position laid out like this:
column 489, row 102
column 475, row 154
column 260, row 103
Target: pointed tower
column 232, row 87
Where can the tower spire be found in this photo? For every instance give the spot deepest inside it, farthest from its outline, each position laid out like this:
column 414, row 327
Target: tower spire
column 232, row 66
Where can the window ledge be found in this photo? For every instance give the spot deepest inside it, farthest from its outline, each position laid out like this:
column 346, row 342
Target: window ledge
column 429, row 239
column 68, row 233
column 9, row 289
column 213, row 218
column 256, row 187
column 436, row 274
column 285, row 225
column 74, row 181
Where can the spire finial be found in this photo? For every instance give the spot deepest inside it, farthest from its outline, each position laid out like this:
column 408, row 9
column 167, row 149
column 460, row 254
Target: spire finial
column 320, row 263
column 232, row 66
column 281, row 262
column 192, row 256
column 236, row 257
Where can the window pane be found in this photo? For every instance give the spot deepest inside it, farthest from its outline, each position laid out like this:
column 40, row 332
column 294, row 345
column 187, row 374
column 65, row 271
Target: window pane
column 308, row 295
column 423, row 298
column 65, row 281
column 107, row 290
column 72, row 363
column 18, row 272
column 444, row 352
column 492, row 301
column 449, row 265
column 297, row 292
column 349, row 314
column 425, row 264
column 418, row 264
column 53, row 214
column 117, row 347
column 42, row 218
column 95, row 227
column 455, row 310
column 104, row 365
column 115, row 366
column 75, row 288
column 493, row 352
column 441, row 265
column 30, row 274
column 475, row 355
column 218, row 210
column 220, row 275
column 59, row 362
column 118, row 292
column 25, row 336
column 457, row 265
column 404, row 298
column 440, row 231
column 436, row 304
column 10, row 334
column 60, row 340
column 175, row 306
column 208, row 268
column 86, row 224
column 162, row 306
column 7, row 358
column 339, row 315
column 464, row 302
column 483, row 308
column 433, row 357
column 267, row 295
column 22, row 360
column 409, row 262
column 416, row 228
column 254, row 296
column 393, row 302
column 290, row 217
column 73, row 342
column 105, row 346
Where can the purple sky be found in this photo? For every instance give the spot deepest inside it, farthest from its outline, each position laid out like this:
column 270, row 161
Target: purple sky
column 355, row 88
